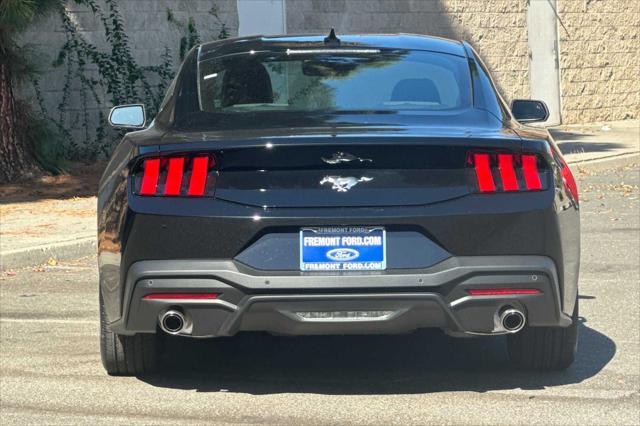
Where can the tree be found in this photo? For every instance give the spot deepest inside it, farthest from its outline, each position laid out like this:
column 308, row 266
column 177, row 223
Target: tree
column 16, row 158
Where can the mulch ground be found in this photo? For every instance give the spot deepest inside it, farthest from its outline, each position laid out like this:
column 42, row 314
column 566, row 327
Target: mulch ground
column 80, row 181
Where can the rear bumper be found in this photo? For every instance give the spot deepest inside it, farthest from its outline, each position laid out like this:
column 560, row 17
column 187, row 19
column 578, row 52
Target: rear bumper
column 405, row 300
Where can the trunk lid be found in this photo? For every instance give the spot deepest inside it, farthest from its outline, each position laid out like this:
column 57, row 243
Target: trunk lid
column 345, row 175
column 359, row 165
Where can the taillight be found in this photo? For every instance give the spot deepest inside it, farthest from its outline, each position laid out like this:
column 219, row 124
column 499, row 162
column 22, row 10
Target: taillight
column 530, row 171
column 151, row 171
column 569, row 181
column 199, row 171
column 506, row 172
column 482, row 165
column 176, row 176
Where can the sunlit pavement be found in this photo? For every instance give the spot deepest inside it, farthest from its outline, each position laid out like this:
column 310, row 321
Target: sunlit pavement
column 51, row 371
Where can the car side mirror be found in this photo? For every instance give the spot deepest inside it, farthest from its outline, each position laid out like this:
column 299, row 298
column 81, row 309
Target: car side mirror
column 529, row 111
column 128, row 116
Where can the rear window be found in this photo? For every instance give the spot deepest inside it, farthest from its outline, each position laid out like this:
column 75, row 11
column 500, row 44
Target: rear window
column 338, row 80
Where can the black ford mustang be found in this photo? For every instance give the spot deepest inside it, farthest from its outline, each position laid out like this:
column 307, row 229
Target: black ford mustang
column 317, row 185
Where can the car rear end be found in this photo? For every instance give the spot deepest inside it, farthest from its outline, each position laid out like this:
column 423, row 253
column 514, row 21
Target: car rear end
column 467, row 228
column 452, row 220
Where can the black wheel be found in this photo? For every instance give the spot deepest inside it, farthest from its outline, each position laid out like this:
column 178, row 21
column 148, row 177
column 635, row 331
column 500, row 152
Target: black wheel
column 545, row 348
column 127, row 355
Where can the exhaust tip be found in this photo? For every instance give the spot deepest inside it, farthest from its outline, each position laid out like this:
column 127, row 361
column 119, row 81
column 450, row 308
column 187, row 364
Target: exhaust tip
column 172, row 322
column 512, row 320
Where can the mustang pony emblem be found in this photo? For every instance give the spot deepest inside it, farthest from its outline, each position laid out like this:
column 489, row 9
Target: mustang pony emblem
column 343, row 184
column 345, row 157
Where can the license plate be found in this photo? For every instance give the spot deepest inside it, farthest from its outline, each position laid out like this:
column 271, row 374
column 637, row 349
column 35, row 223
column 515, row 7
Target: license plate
column 350, row 248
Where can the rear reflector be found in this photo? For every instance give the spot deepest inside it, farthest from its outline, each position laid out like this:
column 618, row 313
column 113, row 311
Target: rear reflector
column 505, row 172
column 502, row 291
column 181, row 296
column 175, row 176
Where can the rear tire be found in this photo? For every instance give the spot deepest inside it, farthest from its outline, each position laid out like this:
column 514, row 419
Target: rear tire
column 127, row 355
column 545, row 348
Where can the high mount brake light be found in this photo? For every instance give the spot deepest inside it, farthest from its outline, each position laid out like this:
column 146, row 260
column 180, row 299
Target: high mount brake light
column 505, row 172
column 176, row 176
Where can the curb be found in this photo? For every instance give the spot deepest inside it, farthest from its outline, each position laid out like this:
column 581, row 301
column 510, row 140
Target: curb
column 606, row 163
column 38, row 255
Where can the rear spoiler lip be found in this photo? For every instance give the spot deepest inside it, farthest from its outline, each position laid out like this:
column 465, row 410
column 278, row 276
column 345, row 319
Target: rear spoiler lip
column 471, row 140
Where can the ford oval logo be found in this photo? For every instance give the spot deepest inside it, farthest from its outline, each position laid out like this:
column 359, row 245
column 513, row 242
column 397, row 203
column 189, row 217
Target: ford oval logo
column 343, row 254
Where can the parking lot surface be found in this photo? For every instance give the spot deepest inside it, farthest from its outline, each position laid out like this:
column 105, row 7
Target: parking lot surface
column 51, row 372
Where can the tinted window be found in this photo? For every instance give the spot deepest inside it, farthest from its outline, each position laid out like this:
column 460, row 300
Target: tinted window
column 344, row 81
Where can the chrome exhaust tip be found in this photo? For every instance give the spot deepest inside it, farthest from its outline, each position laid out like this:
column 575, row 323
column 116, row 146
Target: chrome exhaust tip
column 512, row 320
column 172, row 322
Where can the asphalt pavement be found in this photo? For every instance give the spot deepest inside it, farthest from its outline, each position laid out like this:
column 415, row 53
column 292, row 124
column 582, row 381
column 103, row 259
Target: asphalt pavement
column 50, row 369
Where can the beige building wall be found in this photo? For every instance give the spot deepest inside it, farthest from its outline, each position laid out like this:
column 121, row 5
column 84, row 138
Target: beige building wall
column 497, row 29
column 599, row 59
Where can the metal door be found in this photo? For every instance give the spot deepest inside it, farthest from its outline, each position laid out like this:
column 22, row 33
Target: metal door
column 265, row 17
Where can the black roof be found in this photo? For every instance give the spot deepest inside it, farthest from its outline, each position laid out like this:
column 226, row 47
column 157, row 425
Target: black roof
column 378, row 41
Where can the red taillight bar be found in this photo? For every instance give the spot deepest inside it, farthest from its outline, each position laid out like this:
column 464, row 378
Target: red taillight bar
column 483, row 173
column 502, row 291
column 507, row 172
column 198, row 176
column 530, row 171
column 181, row 296
column 150, row 177
column 174, row 176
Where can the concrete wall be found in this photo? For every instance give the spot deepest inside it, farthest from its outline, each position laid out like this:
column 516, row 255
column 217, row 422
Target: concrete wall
column 145, row 21
column 496, row 28
column 149, row 33
column 599, row 50
column 599, row 59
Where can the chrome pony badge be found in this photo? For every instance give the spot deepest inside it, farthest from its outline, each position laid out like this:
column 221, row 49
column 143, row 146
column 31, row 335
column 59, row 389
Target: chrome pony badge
column 343, row 184
column 345, row 157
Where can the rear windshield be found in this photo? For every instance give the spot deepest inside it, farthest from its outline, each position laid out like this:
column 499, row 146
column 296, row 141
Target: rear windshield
column 333, row 80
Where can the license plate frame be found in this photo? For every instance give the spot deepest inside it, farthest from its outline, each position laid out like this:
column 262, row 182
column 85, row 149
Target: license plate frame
column 338, row 252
